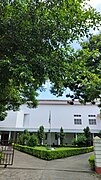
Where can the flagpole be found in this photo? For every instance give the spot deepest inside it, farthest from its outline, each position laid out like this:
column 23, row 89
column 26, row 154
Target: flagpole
column 50, row 129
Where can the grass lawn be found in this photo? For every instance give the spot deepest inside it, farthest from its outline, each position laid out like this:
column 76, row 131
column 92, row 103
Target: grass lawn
column 55, row 149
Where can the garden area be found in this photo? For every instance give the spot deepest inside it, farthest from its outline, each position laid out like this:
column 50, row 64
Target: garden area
column 47, row 154
column 33, row 144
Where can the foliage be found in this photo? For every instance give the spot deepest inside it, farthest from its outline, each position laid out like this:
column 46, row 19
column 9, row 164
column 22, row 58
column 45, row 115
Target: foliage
column 91, row 160
column 87, row 134
column 24, row 137
column 34, row 46
column 57, row 135
column 53, row 154
column 86, row 64
column 41, row 134
column 80, row 141
column 99, row 134
column 83, row 139
column 1, row 156
column 61, row 136
column 33, row 141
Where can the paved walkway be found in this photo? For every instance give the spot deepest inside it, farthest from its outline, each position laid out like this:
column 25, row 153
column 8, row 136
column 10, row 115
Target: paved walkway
column 27, row 167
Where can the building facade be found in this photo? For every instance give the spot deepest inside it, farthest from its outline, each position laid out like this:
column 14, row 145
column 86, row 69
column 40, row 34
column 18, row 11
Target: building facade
column 52, row 114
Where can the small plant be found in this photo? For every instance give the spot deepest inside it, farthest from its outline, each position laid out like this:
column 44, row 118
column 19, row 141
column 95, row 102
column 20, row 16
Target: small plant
column 80, row 141
column 91, row 160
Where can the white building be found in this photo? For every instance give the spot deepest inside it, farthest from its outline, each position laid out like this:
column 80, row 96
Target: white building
column 72, row 118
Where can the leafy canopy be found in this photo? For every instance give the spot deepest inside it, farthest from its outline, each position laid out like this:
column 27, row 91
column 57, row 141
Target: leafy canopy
column 84, row 77
column 34, row 46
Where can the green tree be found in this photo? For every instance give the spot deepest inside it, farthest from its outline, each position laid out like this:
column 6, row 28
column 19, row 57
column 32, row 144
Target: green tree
column 87, row 134
column 34, row 46
column 41, row 135
column 24, row 137
column 61, row 136
column 86, row 63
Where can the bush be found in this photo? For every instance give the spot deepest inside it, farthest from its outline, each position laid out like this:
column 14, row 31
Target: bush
column 81, row 140
column 33, row 141
column 24, row 137
column 53, row 154
column 91, row 160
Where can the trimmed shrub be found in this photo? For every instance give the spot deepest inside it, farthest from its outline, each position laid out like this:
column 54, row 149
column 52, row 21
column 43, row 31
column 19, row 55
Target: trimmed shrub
column 53, row 154
column 33, row 141
column 91, row 160
column 80, row 141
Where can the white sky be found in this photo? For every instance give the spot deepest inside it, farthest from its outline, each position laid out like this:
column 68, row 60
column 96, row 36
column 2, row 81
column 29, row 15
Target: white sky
column 47, row 95
column 96, row 4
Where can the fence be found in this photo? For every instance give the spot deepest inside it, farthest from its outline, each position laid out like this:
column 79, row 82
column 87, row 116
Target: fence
column 7, row 155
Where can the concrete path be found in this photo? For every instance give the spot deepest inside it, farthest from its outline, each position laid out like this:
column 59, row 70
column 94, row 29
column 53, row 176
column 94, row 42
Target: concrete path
column 27, row 167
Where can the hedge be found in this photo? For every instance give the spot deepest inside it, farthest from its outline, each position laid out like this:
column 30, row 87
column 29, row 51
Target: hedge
column 53, row 154
column 91, row 160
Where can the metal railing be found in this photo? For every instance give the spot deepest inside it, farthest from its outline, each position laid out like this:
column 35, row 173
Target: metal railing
column 7, row 155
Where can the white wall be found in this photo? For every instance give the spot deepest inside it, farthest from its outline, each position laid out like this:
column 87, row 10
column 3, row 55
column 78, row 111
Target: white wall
column 10, row 120
column 62, row 115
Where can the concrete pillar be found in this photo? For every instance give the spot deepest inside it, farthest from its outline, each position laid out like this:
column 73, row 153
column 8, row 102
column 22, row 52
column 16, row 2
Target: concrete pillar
column 14, row 137
column 97, row 154
column 58, row 140
column 42, row 142
column 9, row 137
column 0, row 138
column 76, row 136
column 93, row 135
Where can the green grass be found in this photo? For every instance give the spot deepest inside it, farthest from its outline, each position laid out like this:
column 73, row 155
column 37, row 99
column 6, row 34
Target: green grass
column 40, row 148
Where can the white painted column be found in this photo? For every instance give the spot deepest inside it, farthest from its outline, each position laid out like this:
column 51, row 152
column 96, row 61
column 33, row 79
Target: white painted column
column 58, row 140
column 0, row 138
column 93, row 135
column 42, row 142
column 76, row 136
column 97, row 154
column 9, row 138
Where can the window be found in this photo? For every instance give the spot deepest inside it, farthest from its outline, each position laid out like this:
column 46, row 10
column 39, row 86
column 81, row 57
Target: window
column 92, row 115
column 92, row 121
column 77, row 115
column 77, row 121
column 26, row 120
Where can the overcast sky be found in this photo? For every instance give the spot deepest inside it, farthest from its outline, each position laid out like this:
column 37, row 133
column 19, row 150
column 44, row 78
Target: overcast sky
column 47, row 95
column 96, row 4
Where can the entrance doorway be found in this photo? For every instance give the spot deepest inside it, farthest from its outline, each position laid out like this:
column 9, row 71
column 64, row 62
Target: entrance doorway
column 4, row 138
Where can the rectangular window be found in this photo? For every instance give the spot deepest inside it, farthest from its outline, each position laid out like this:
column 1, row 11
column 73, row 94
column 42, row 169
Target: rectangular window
column 92, row 115
column 92, row 121
column 26, row 120
column 77, row 121
column 77, row 115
